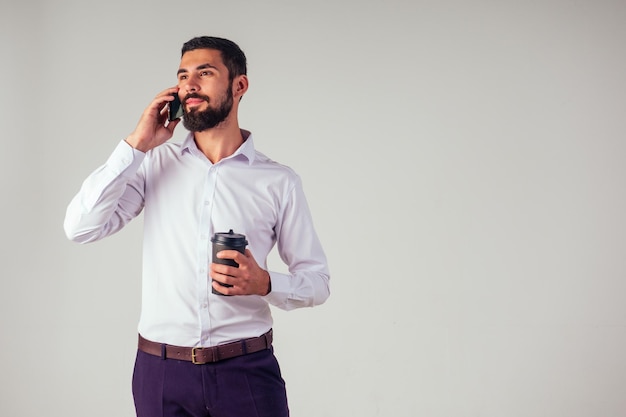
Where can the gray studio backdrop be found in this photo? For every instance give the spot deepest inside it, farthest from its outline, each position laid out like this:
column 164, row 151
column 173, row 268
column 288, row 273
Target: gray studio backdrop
column 464, row 162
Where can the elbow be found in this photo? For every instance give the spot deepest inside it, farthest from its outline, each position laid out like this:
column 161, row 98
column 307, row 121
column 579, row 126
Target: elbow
column 322, row 293
column 70, row 231
column 76, row 234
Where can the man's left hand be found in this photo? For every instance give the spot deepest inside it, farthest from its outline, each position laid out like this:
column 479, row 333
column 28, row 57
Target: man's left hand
column 248, row 279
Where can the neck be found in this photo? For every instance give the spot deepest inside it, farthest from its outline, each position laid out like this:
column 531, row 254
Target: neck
column 219, row 142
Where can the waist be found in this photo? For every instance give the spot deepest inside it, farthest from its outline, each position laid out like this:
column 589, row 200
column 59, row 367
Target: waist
column 202, row 355
column 179, row 321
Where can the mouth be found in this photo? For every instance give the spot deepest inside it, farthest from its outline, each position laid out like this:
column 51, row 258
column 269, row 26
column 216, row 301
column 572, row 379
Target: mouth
column 193, row 100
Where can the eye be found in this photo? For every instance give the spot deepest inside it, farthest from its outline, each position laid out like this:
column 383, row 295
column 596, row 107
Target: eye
column 182, row 77
column 205, row 73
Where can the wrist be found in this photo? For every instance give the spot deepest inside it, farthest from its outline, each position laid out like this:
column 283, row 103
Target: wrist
column 137, row 144
column 269, row 283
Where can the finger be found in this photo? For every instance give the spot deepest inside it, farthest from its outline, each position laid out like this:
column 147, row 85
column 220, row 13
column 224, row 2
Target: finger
column 162, row 114
column 172, row 125
column 219, row 288
column 231, row 254
column 223, row 279
column 227, row 254
column 168, row 93
column 164, row 97
column 225, row 290
column 223, row 270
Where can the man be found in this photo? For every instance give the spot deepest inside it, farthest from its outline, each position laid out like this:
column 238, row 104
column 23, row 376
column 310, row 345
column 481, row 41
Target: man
column 202, row 353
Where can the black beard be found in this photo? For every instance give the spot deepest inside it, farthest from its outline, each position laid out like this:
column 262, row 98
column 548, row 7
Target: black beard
column 201, row 120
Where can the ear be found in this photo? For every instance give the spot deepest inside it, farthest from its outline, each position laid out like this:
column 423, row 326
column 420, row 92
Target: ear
column 240, row 85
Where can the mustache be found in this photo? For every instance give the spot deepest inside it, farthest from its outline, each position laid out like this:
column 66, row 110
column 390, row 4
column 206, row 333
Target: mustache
column 195, row 95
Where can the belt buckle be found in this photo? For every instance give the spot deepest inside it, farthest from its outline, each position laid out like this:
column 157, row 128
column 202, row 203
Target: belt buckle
column 194, row 359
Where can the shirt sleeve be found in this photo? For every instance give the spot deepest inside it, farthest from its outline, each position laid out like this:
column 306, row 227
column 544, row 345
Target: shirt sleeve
column 307, row 283
column 107, row 199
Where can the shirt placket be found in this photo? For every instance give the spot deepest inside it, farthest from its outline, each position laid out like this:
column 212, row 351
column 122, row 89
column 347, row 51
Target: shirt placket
column 204, row 235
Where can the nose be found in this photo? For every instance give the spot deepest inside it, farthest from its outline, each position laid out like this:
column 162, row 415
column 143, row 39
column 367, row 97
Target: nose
column 189, row 85
column 190, row 88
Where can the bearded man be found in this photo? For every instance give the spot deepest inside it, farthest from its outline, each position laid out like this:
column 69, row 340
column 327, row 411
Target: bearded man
column 205, row 331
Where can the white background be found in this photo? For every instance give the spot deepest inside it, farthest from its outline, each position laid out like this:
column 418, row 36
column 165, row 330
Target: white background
column 464, row 162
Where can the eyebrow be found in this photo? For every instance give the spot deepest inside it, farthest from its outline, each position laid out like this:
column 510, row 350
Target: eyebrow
column 199, row 67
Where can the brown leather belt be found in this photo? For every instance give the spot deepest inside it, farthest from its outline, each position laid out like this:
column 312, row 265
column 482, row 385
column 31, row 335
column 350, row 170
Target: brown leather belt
column 201, row 355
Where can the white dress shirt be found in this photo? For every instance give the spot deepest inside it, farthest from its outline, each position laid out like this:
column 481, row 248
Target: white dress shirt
column 185, row 200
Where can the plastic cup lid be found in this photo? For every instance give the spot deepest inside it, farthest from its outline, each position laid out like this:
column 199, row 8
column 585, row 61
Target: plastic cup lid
column 229, row 239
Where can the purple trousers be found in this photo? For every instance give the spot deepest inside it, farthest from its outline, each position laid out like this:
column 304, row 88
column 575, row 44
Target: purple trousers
column 246, row 386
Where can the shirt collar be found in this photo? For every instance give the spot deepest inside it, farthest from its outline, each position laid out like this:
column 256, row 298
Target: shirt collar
column 246, row 149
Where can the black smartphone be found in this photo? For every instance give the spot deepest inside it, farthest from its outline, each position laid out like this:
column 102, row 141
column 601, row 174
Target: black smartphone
column 176, row 108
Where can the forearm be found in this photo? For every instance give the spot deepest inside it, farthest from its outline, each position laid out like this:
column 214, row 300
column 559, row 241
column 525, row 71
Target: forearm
column 307, row 283
column 106, row 201
column 301, row 289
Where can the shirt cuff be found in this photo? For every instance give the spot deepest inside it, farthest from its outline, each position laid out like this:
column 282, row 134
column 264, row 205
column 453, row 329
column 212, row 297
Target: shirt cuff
column 125, row 160
column 280, row 288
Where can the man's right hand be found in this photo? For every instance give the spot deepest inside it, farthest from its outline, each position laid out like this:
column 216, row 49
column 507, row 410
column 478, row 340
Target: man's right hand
column 154, row 128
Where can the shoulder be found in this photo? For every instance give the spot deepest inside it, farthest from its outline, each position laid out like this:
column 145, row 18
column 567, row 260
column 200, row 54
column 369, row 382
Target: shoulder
column 168, row 150
column 274, row 177
column 263, row 162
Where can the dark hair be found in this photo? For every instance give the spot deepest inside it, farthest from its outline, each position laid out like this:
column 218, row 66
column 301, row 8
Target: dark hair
column 233, row 57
